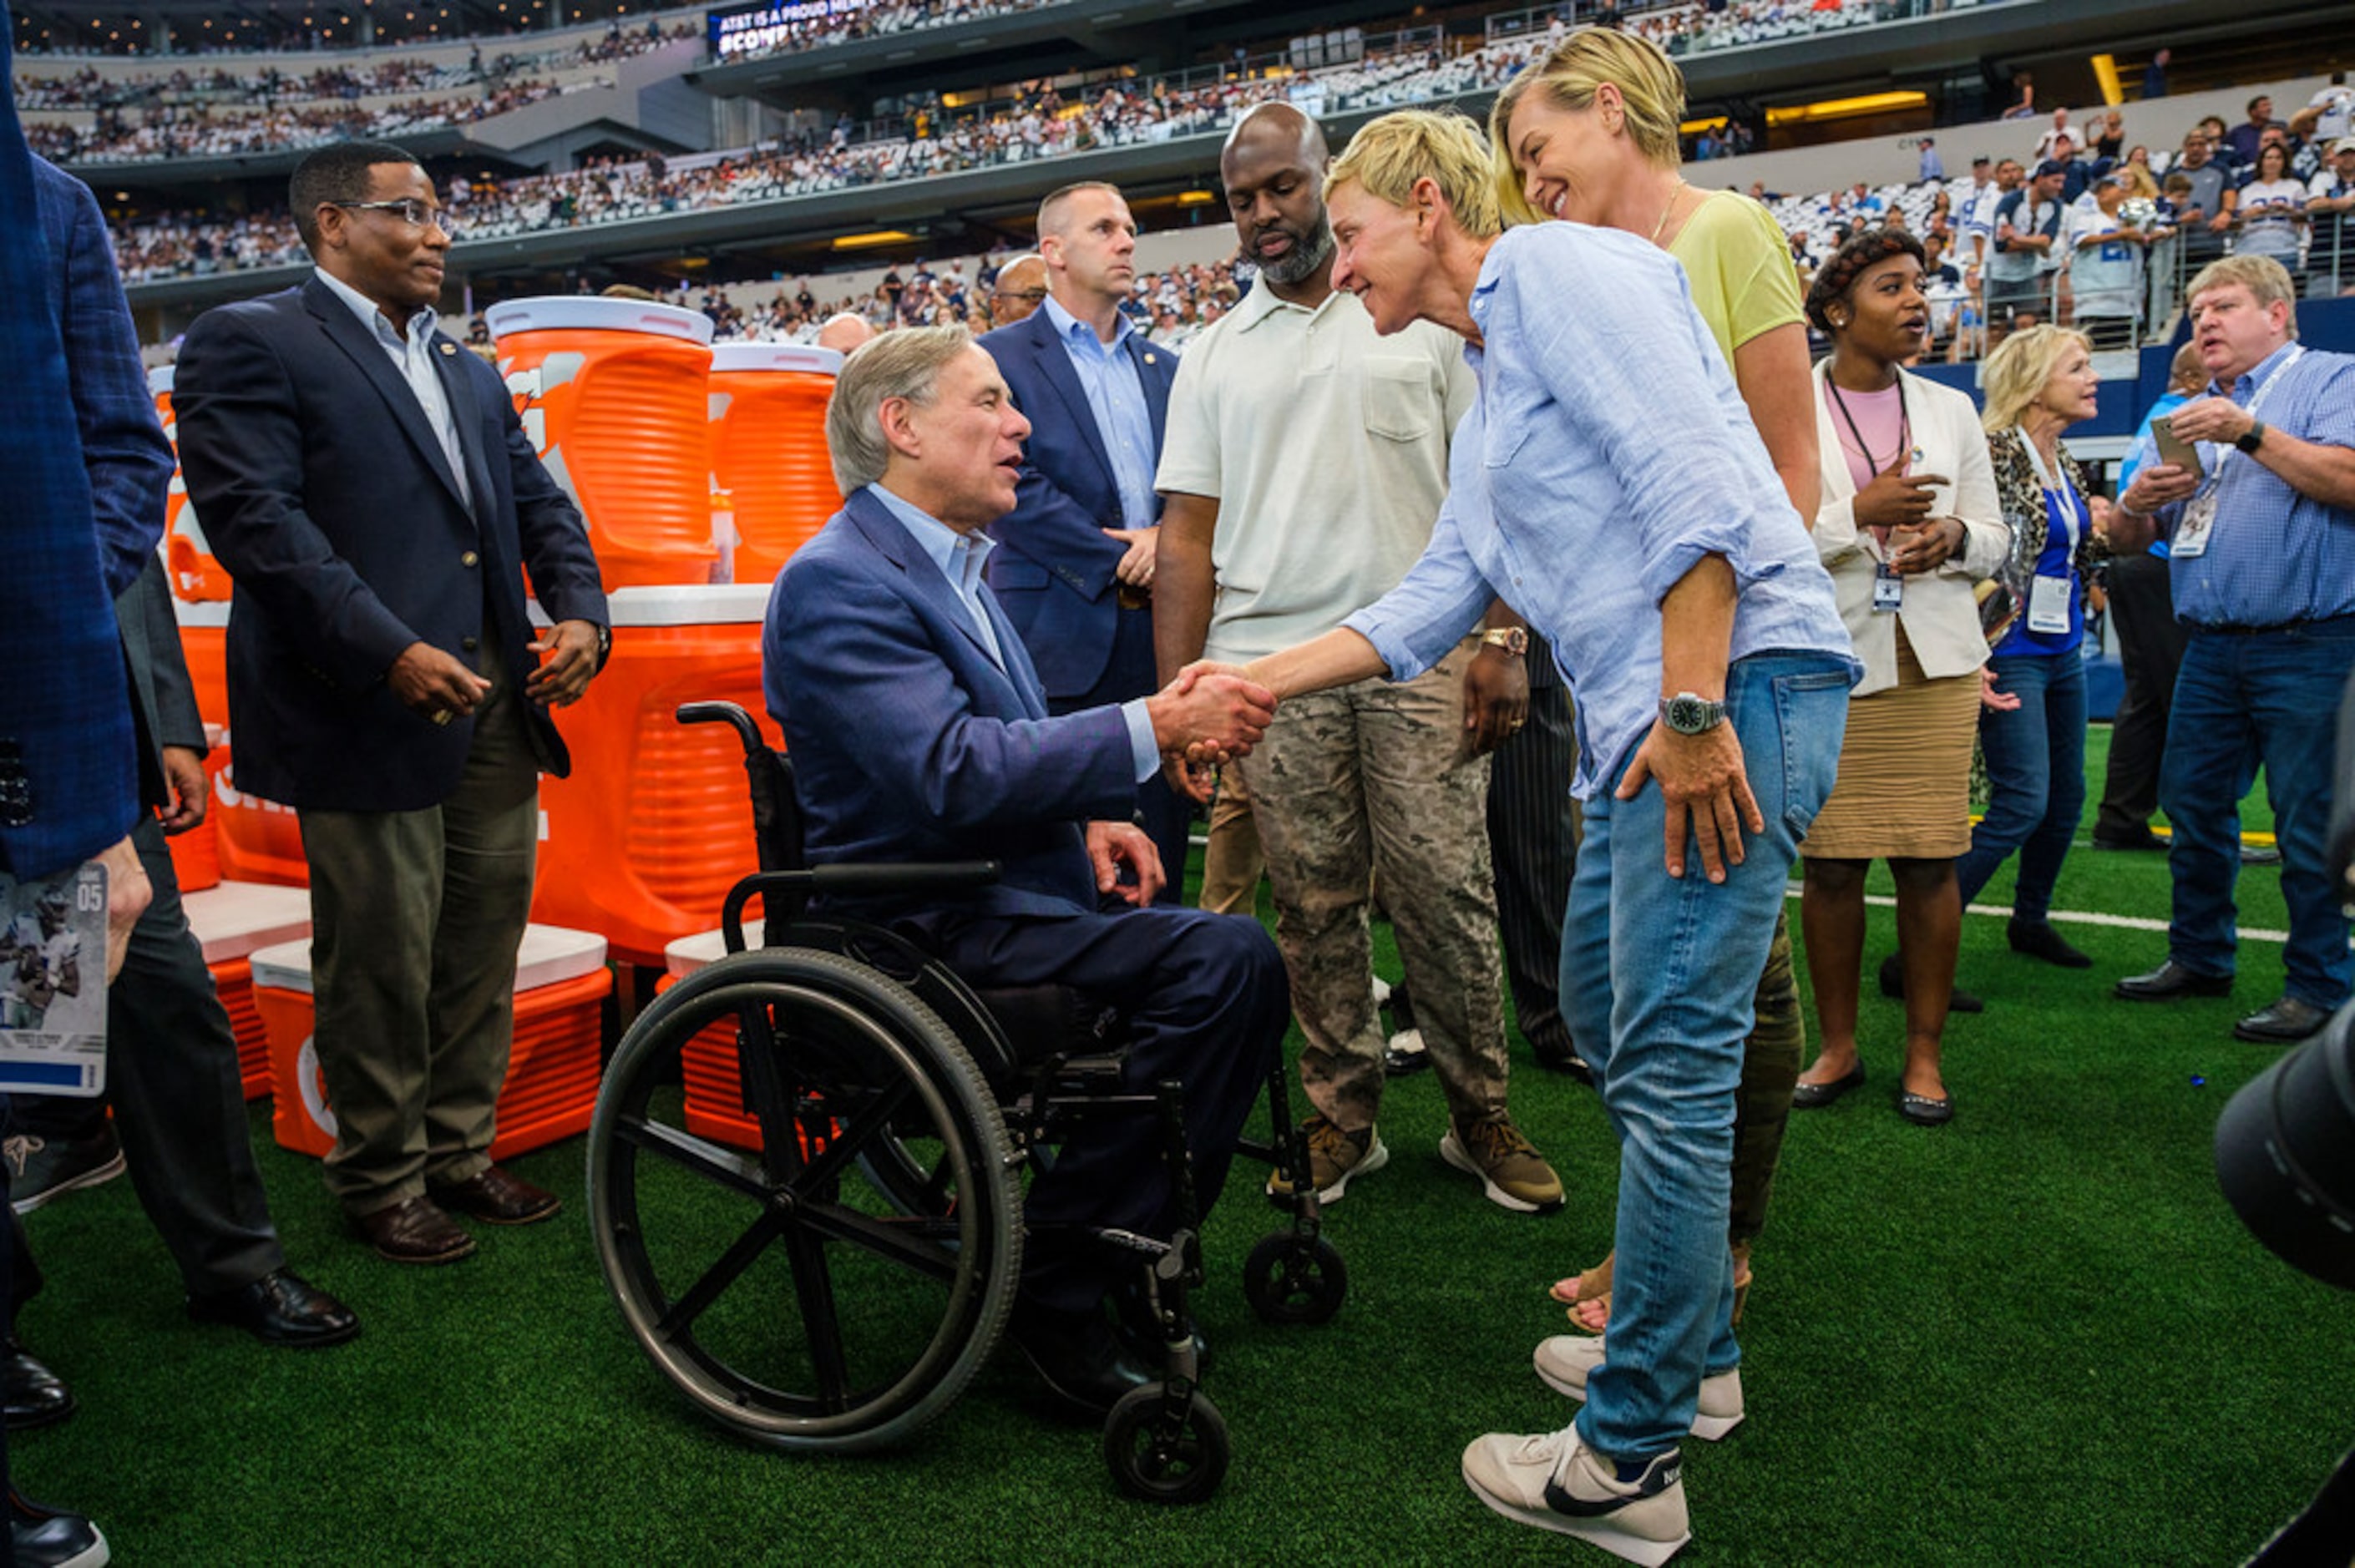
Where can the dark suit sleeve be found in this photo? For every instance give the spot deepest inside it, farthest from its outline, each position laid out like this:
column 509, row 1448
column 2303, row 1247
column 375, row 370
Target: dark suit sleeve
column 122, row 444
column 240, row 425
column 849, row 657
column 556, row 550
column 172, row 716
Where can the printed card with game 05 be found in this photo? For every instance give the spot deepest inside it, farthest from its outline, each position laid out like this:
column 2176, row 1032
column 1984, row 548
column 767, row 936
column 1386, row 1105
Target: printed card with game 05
column 53, row 983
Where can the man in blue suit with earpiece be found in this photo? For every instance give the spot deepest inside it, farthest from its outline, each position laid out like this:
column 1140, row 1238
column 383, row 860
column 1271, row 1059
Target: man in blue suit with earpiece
column 1075, row 575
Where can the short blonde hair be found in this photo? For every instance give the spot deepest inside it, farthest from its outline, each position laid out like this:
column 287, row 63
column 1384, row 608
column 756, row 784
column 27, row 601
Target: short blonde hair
column 1649, row 84
column 903, row 364
column 2017, row 371
column 2266, row 279
column 1389, row 154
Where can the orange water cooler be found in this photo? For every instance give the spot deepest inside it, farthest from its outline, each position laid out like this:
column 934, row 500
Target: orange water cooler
column 715, row 1090
column 256, row 840
column 768, row 448
column 655, row 825
column 190, row 559
column 232, row 921
column 612, row 393
column 552, row 1073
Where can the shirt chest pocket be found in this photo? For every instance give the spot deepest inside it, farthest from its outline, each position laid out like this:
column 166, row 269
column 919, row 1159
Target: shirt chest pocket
column 1399, row 404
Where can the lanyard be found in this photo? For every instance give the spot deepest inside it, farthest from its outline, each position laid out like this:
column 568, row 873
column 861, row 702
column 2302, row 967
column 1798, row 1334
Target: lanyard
column 1904, row 423
column 2061, row 505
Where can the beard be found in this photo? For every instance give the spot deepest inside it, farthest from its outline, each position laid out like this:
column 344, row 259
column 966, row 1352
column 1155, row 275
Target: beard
column 1310, row 254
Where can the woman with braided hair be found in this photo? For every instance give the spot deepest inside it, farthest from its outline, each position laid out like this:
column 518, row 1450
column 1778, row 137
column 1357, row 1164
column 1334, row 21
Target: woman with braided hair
column 1909, row 524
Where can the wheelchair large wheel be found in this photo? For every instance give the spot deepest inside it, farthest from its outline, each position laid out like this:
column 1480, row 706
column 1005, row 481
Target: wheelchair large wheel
column 789, row 1294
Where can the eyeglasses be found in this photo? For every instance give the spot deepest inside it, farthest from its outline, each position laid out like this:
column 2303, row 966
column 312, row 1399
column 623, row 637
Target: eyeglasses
column 1034, row 296
column 411, row 211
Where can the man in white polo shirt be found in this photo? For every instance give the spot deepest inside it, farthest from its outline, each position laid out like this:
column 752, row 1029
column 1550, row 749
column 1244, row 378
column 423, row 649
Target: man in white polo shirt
column 1304, row 466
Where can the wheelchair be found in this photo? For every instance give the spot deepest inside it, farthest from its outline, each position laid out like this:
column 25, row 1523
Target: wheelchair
column 831, row 1275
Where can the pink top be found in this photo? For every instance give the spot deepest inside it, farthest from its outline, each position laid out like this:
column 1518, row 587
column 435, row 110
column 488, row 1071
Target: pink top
column 1878, row 418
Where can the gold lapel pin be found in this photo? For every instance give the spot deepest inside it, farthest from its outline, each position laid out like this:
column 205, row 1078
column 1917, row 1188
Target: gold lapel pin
column 449, row 348
column 1150, row 360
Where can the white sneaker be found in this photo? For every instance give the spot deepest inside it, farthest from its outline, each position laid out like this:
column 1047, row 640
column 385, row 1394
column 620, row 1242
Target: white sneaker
column 1382, row 993
column 1565, row 1362
column 1556, row 1482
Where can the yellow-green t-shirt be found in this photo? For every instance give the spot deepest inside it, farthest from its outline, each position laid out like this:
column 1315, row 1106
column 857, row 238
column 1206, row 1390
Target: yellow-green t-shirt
column 1739, row 265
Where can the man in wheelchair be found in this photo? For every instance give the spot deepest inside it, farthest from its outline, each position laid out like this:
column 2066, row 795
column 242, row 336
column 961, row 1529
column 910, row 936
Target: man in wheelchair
column 918, row 732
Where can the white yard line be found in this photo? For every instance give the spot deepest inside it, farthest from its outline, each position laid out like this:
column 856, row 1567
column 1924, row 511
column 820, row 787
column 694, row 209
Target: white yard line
column 2075, row 918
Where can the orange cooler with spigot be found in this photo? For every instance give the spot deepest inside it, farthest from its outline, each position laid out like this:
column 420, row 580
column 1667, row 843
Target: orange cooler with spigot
column 190, row 559
column 655, row 825
column 768, row 448
column 612, row 395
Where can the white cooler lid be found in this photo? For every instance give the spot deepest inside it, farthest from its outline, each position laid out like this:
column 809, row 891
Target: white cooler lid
column 688, row 954
column 566, row 313
column 159, row 381
column 549, row 956
column 776, row 356
column 232, row 919
column 690, row 604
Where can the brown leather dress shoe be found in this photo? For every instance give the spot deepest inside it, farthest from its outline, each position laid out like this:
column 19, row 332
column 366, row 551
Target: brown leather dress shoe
column 497, row 1198
column 414, row 1230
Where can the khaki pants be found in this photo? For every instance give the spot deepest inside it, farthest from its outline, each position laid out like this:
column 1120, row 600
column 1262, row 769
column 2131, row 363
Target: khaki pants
column 416, row 917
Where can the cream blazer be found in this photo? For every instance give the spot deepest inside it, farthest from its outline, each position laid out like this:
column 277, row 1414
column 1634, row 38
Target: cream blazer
column 1941, row 611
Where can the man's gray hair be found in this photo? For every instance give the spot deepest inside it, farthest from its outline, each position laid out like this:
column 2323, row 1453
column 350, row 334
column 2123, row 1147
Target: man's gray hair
column 905, row 364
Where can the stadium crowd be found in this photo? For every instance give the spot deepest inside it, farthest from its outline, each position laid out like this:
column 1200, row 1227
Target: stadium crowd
column 202, row 130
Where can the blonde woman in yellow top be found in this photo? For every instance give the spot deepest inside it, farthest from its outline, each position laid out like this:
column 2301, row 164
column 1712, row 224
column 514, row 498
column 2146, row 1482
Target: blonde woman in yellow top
column 1588, row 134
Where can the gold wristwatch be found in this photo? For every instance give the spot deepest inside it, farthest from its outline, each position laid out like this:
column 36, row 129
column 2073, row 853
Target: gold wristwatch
column 1513, row 639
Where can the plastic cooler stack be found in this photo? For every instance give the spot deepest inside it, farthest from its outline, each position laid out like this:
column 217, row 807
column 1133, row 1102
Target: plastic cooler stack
column 645, row 838
column 232, row 921
column 768, row 448
column 715, row 1088
column 552, row 1073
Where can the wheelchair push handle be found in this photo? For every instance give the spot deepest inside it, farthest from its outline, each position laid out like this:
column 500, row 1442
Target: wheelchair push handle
column 729, row 714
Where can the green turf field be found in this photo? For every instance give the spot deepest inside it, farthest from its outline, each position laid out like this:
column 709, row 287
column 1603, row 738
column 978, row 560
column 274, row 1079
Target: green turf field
column 2036, row 1336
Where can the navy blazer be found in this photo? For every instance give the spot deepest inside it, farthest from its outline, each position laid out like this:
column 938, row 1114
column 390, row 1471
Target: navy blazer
column 323, row 490
column 911, row 744
column 1054, row 576
column 66, row 747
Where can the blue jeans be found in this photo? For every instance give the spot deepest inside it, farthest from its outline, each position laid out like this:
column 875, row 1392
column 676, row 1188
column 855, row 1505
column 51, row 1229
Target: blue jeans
column 2036, row 778
column 1657, row 977
column 2268, row 698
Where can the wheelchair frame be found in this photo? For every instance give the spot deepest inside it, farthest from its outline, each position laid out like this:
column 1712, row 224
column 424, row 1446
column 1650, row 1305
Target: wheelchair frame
column 897, row 1105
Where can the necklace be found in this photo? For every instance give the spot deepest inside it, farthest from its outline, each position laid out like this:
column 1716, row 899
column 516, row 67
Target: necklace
column 1662, row 227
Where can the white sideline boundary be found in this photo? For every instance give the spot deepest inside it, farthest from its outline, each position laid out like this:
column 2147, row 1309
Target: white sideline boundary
column 2070, row 917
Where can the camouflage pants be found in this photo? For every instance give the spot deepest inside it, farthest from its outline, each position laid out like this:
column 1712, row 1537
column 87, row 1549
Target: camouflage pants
column 1374, row 780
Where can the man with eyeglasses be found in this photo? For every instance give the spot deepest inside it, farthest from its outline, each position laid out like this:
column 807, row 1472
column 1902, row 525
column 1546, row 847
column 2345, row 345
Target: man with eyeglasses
column 368, row 485
column 1020, row 291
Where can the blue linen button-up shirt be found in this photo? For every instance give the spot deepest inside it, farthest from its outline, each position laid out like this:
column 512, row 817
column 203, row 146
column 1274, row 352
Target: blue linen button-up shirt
column 1609, row 452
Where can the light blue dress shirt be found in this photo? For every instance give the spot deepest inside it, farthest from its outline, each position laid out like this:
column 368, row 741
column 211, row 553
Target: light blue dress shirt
column 1116, row 392
column 959, row 557
column 413, row 357
column 1609, row 452
column 2275, row 556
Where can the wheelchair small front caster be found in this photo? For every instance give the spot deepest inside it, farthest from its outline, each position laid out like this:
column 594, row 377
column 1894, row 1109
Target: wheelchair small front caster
column 1165, row 1448
column 1294, row 1279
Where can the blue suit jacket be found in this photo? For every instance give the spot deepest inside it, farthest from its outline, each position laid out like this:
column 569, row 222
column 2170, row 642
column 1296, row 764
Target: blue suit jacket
column 325, row 493
column 123, row 447
column 1055, row 575
column 66, row 777
column 909, row 743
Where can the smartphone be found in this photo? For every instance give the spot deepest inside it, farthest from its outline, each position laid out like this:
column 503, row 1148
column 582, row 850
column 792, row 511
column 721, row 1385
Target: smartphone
column 2173, row 447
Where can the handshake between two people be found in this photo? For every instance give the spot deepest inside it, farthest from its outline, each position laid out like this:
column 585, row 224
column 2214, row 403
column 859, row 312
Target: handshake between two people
column 1207, row 716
